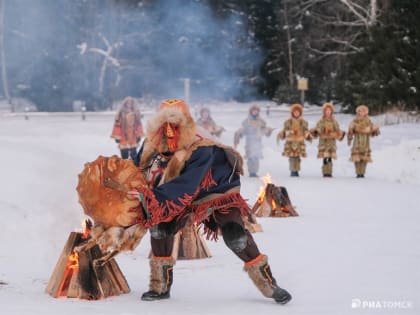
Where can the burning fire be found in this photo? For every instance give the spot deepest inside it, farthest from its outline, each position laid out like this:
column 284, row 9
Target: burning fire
column 72, row 266
column 86, row 228
column 266, row 180
column 73, row 261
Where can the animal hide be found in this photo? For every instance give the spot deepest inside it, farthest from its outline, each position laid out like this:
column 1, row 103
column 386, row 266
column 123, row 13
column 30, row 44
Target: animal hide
column 102, row 189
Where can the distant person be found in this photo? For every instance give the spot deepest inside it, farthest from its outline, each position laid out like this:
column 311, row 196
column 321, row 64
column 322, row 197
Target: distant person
column 360, row 131
column 206, row 121
column 295, row 131
column 128, row 130
column 328, row 131
column 253, row 129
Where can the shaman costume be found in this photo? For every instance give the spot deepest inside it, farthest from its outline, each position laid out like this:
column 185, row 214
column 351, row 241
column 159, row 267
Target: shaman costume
column 360, row 131
column 127, row 130
column 295, row 131
column 207, row 122
column 253, row 128
column 328, row 131
column 189, row 176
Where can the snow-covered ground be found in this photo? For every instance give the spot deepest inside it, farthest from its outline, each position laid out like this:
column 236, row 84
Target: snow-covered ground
column 354, row 249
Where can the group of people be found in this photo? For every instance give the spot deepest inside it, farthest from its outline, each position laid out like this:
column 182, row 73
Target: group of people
column 128, row 131
column 295, row 132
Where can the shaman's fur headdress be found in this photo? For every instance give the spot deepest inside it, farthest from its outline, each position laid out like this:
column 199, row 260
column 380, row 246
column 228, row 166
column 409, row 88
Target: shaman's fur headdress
column 172, row 128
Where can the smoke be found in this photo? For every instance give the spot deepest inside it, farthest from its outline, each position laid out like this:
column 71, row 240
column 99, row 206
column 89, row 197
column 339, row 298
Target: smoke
column 55, row 51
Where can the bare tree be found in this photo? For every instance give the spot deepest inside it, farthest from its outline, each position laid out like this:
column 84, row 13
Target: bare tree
column 3, row 58
column 345, row 21
column 364, row 14
column 289, row 44
column 108, row 58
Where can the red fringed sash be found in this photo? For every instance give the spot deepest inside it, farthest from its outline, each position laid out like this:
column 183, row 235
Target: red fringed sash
column 224, row 204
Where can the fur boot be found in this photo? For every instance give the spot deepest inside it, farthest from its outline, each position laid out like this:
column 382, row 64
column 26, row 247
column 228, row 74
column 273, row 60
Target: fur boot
column 327, row 167
column 360, row 168
column 260, row 273
column 363, row 165
column 161, row 276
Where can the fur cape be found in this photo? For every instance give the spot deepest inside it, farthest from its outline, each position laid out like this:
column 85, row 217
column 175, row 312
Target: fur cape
column 177, row 203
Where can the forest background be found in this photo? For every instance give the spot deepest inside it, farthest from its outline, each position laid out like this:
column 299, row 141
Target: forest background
column 58, row 53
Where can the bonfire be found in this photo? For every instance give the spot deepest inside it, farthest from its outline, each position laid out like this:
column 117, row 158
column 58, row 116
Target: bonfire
column 273, row 201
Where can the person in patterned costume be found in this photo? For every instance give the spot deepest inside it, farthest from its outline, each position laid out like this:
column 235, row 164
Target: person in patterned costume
column 360, row 131
column 328, row 131
column 127, row 130
column 206, row 121
column 295, row 131
column 191, row 177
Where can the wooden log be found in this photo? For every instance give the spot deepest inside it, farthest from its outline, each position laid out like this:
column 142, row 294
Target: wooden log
column 76, row 276
column 189, row 244
column 276, row 203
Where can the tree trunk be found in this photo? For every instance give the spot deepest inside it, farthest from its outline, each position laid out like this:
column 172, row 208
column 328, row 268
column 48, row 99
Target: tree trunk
column 3, row 58
column 289, row 47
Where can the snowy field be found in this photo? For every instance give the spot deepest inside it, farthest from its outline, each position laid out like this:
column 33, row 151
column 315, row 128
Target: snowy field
column 354, row 249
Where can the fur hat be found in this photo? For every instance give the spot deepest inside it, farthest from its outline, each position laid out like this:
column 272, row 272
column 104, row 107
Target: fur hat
column 172, row 128
column 362, row 108
column 128, row 104
column 328, row 105
column 204, row 109
column 297, row 107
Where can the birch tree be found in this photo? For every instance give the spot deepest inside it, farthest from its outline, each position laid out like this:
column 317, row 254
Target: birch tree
column 344, row 22
column 108, row 59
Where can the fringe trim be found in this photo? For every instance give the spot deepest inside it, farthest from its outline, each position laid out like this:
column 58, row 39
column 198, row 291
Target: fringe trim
column 155, row 212
column 223, row 204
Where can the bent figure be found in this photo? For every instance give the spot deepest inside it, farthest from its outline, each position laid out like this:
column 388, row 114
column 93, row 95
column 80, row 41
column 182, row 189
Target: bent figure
column 190, row 177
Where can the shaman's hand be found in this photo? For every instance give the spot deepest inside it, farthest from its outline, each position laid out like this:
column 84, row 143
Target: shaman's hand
column 133, row 193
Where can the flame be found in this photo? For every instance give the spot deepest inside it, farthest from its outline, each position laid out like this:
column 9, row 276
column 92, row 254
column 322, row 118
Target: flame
column 85, row 229
column 261, row 194
column 73, row 261
column 72, row 266
column 87, row 226
column 273, row 204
